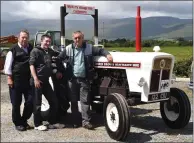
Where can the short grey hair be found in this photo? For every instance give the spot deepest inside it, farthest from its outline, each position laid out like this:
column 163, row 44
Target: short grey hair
column 78, row 31
column 24, row 31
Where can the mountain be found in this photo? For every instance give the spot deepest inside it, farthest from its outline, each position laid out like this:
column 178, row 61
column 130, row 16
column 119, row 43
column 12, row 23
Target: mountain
column 152, row 27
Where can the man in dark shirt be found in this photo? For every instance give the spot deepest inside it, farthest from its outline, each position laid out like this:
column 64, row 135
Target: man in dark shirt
column 41, row 70
column 18, row 75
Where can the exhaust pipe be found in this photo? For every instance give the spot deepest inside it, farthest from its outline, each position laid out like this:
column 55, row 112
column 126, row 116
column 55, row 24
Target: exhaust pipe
column 138, row 30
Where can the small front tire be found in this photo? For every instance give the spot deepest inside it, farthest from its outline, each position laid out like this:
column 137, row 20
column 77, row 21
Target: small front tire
column 117, row 116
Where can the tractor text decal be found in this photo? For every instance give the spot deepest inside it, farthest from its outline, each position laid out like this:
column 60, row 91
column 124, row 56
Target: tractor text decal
column 117, row 64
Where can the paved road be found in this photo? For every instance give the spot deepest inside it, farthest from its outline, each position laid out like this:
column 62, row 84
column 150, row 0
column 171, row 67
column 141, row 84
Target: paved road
column 147, row 126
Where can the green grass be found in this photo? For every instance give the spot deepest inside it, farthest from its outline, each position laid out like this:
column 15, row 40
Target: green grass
column 180, row 53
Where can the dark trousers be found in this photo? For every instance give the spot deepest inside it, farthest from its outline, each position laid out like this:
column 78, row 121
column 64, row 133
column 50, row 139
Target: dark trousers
column 61, row 91
column 49, row 94
column 79, row 90
column 16, row 99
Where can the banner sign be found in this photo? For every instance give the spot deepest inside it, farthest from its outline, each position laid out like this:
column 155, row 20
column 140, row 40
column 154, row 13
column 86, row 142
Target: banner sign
column 78, row 9
column 117, row 64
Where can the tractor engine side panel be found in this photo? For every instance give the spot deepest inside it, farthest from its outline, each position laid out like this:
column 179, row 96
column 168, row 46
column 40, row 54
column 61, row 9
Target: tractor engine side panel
column 109, row 81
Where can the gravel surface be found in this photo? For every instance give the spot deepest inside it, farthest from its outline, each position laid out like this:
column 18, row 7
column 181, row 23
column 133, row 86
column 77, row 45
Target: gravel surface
column 146, row 125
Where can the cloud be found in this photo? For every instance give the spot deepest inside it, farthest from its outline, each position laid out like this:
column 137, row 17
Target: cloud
column 14, row 10
column 8, row 8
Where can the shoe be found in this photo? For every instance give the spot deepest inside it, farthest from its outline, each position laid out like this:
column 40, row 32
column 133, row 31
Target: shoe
column 20, row 128
column 56, row 126
column 88, row 126
column 41, row 128
column 75, row 125
column 27, row 126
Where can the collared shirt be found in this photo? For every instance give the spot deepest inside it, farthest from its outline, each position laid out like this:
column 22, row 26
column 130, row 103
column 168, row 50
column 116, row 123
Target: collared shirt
column 79, row 65
column 24, row 48
column 9, row 61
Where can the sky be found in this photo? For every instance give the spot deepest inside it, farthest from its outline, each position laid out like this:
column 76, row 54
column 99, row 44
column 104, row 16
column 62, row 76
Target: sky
column 18, row 10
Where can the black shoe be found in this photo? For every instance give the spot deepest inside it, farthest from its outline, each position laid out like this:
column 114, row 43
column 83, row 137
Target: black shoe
column 75, row 125
column 88, row 126
column 56, row 126
column 20, row 128
column 27, row 126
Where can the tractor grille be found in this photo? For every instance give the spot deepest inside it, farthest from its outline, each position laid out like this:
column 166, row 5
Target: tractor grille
column 161, row 71
column 155, row 80
column 165, row 74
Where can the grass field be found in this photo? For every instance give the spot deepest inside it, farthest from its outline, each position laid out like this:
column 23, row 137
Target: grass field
column 180, row 53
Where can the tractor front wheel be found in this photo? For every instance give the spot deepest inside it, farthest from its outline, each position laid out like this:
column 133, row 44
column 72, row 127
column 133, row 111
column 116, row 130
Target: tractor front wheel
column 117, row 116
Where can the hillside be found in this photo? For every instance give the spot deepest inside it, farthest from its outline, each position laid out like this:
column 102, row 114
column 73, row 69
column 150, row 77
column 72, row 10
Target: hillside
column 152, row 27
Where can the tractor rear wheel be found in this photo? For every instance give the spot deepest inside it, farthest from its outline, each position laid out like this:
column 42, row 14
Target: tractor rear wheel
column 117, row 116
column 176, row 111
column 45, row 109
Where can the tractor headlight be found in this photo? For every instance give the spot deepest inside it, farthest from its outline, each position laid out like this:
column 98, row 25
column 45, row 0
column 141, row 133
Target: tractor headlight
column 141, row 82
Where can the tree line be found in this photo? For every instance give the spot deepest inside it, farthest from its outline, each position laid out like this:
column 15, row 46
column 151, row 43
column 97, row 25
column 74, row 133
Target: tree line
column 145, row 43
column 122, row 42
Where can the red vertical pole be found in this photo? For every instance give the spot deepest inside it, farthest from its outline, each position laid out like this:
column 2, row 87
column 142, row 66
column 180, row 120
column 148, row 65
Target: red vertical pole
column 138, row 30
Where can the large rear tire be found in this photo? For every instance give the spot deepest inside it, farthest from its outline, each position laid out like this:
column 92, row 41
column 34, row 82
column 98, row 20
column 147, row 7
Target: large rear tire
column 117, row 116
column 176, row 111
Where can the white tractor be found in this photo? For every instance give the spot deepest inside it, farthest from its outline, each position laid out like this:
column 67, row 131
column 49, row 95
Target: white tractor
column 136, row 78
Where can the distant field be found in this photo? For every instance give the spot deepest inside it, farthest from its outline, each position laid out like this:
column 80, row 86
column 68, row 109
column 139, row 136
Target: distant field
column 180, row 53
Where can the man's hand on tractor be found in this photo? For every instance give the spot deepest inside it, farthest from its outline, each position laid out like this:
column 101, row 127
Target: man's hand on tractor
column 109, row 58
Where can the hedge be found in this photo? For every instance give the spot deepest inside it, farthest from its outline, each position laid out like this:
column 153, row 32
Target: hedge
column 182, row 68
